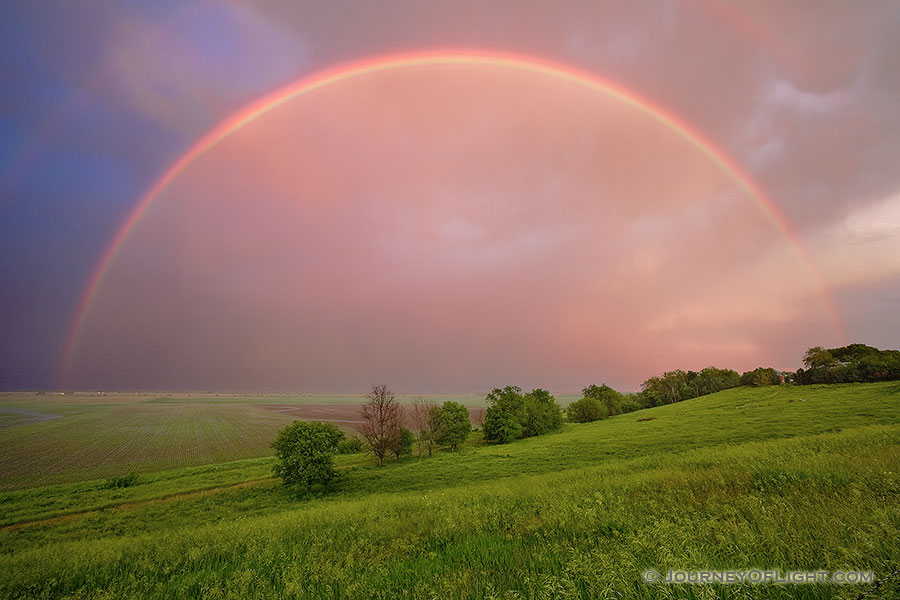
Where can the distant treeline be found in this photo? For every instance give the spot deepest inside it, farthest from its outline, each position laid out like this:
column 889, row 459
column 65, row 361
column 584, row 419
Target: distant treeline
column 848, row 364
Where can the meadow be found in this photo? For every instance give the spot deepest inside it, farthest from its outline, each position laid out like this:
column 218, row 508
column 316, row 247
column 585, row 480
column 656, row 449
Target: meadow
column 74, row 437
column 789, row 478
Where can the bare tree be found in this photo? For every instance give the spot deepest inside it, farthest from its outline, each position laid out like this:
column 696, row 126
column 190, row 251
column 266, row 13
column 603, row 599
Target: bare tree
column 425, row 422
column 382, row 420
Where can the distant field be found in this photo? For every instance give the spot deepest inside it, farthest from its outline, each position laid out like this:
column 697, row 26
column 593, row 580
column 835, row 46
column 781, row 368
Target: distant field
column 52, row 438
column 788, row 478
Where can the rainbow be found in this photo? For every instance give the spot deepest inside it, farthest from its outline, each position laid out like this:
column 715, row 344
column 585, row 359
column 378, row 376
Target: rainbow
column 433, row 59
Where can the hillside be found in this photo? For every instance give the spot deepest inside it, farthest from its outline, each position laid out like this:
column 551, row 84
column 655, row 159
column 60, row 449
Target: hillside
column 792, row 478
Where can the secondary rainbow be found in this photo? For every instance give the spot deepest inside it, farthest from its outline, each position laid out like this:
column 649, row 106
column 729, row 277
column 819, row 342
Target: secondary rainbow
column 435, row 59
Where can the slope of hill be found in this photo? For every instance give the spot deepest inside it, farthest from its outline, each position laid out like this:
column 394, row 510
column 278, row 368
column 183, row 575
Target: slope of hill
column 786, row 478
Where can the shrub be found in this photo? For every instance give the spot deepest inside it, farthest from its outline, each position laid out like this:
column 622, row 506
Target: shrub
column 122, row 481
column 352, row 445
column 305, row 452
column 404, row 443
column 586, row 410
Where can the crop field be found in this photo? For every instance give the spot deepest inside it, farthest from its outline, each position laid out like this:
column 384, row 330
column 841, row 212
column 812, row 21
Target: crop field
column 790, row 478
column 47, row 439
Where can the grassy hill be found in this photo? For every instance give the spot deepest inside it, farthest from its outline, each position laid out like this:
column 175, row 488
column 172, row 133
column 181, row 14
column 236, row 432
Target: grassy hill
column 804, row 478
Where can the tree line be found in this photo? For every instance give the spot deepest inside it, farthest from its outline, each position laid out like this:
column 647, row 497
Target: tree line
column 847, row 364
column 306, row 450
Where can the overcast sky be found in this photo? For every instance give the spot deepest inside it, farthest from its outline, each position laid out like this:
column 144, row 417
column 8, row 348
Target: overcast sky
column 444, row 228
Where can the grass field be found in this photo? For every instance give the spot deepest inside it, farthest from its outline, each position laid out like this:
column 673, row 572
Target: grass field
column 48, row 439
column 788, row 478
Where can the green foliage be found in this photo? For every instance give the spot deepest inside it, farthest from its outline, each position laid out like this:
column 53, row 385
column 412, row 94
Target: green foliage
column 512, row 415
column 122, row 481
column 542, row 413
column 586, row 410
column 351, row 445
column 676, row 386
column 305, row 452
column 761, row 377
column 610, row 398
column 452, row 426
column 504, row 415
column 632, row 402
column 405, row 440
column 856, row 363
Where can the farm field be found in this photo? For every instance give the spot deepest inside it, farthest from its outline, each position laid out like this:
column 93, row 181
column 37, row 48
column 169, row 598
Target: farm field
column 789, row 478
column 47, row 439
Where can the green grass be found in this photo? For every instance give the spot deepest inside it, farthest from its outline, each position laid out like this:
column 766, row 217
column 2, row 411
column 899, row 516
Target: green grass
column 744, row 478
column 108, row 435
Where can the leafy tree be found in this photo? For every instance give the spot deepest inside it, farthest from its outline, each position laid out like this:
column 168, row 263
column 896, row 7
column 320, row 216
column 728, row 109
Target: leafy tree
column 452, row 426
column 607, row 396
column 542, row 414
column 305, row 452
column 761, row 377
column 382, row 420
column 500, row 425
column 848, row 364
column 632, row 402
column 678, row 385
column 818, row 357
column 404, row 443
column 586, row 410
column 512, row 415
column 504, row 415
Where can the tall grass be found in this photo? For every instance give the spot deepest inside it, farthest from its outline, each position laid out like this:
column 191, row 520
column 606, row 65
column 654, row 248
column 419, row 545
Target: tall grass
column 744, row 478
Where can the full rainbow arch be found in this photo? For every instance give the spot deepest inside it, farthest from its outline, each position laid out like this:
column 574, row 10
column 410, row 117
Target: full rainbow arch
column 438, row 58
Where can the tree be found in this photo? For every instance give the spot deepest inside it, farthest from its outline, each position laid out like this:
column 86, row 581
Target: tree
column 849, row 364
column 404, row 443
column 818, row 357
column 761, row 377
column 425, row 423
column 586, row 410
column 542, row 413
column 305, row 452
column 452, row 426
column 609, row 397
column 382, row 421
column 504, row 415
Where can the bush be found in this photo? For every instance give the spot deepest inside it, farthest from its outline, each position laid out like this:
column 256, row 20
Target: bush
column 352, row 445
column 123, row 481
column 404, row 443
column 452, row 424
column 305, row 452
column 586, row 410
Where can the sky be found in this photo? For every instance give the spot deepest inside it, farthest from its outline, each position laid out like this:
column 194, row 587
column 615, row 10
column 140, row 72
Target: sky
column 443, row 196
